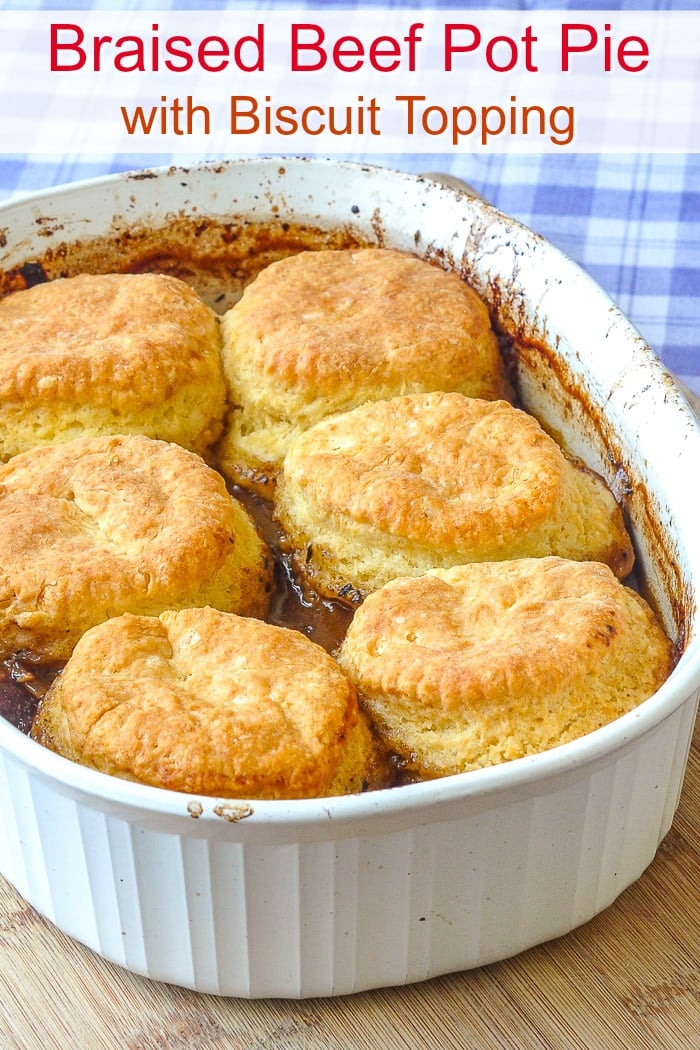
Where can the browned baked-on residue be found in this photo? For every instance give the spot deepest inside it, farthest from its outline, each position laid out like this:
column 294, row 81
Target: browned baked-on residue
column 217, row 258
column 528, row 350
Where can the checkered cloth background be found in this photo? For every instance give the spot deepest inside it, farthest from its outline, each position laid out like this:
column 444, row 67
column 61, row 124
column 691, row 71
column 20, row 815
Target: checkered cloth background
column 631, row 221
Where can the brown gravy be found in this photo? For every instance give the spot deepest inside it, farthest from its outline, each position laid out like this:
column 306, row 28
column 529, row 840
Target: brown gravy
column 293, row 603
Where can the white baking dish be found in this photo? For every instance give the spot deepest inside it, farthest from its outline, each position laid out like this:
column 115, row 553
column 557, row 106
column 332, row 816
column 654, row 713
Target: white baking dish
column 318, row 898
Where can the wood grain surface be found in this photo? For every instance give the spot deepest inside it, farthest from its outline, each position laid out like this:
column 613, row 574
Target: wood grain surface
column 627, row 980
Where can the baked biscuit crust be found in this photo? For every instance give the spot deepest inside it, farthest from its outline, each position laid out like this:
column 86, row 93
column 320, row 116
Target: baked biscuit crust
column 400, row 486
column 321, row 332
column 109, row 353
column 484, row 663
column 99, row 526
column 192, row 701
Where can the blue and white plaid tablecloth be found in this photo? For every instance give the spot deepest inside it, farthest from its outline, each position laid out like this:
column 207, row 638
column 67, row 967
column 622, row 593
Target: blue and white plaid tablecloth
column 631, row 221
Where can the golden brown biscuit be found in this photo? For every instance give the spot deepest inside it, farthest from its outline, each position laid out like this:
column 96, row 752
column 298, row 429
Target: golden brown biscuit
column 483, row 663
column 211, row 703
column 99, row 526
column 109, row 354
column 431, row 480
column 321, row 332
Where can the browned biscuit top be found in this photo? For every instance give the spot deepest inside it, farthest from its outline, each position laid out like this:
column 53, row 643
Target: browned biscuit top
column 109, row 338
column 516, row 627
column 485, row 662
column 98, row 526
column 365, row 316
column 203, row 701
column 458, row 471
column 109, row 353
column 427, row 480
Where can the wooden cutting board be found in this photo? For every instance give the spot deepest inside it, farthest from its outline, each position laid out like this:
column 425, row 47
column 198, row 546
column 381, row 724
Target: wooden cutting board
column 627, row 980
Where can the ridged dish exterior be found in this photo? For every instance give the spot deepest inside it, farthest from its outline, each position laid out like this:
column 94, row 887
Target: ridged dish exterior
column 335, row 896
column 377, row 901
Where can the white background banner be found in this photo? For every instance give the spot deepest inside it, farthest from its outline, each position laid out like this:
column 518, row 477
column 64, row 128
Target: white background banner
column 332, row 81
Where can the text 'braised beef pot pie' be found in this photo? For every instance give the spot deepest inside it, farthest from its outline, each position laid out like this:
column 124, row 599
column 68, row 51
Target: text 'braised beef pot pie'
column 322, row 332
column 400, row 486
column 210, row 703
column 99, row 526
column 483, row 663
column 109, row 354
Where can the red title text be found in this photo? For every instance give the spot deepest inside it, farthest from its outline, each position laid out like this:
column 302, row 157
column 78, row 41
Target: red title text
column 311, row 48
